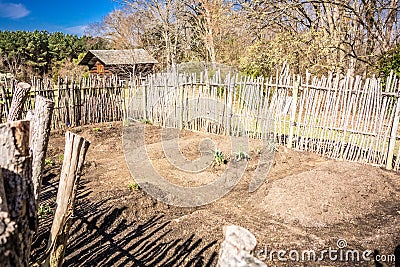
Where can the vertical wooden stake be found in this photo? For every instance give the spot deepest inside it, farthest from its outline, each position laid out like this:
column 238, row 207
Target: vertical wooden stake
column 293, row 114
column 230, row 87
column 393, row 135
column 18, row 212
column 236, row 248
column 20, row 94
column 74, row 157
column 145, row 101
column 40, row 134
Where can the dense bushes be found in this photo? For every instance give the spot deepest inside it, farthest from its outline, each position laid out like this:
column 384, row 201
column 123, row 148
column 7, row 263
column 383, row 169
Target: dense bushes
column 41, row 53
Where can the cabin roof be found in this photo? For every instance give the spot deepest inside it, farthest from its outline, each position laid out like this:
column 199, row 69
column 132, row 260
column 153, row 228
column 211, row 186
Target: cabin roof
column 118, row 57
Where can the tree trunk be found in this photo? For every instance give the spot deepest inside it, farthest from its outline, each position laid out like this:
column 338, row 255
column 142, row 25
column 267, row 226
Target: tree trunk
column 74, row 157
column 40, row 133
column 17, row 105
column 18, row 214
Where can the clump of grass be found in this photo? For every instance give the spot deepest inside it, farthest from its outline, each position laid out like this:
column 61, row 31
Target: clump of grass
column 219, row 157
column 241, row 155
column 44, row 211
column 271, row 146
column 146, row 121
column 48, row 162
column 133, row 186
column 258, row 150
column 96, row 129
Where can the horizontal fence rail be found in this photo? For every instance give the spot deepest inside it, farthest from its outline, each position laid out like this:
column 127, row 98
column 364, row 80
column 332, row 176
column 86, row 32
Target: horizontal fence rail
column 338, row 116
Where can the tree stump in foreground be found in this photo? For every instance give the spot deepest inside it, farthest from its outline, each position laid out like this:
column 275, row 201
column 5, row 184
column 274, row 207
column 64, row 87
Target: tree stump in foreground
column 18, row 212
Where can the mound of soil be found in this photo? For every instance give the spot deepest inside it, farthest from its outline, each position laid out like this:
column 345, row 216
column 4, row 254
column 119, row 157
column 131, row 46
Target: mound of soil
column 331, row 193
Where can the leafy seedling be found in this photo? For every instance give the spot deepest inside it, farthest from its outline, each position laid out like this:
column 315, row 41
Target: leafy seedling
column 48, row 162
column 218, row 157
column 241, row 155
column 133, row 186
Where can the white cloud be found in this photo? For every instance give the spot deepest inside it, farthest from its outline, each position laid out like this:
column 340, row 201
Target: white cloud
column 12, row 10
column 78, row 30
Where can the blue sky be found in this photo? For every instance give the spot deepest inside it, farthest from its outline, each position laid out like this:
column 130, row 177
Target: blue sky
column 68, row 16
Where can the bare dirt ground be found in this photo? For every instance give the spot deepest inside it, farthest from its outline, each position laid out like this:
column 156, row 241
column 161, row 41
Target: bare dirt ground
column 308, row 203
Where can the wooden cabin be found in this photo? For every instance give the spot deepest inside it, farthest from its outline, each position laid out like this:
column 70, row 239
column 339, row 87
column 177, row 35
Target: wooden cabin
column 119, row 62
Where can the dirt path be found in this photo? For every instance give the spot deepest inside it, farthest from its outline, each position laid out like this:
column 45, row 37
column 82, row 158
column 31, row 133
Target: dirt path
column 308, row 203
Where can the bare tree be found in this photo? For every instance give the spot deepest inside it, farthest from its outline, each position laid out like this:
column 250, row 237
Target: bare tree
column 359, row 31
column 11, row 63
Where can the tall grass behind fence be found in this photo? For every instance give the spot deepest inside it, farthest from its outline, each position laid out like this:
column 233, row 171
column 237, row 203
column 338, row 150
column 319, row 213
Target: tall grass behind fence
column 77, row 102
column 338, row 116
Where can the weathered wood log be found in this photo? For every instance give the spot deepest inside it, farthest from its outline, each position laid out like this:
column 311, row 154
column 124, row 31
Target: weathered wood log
column 20, row 94
column 18, row 214
column 40, row 133
column 237, row 247
column 1, row 109
column 74, row 157
column 3, row 99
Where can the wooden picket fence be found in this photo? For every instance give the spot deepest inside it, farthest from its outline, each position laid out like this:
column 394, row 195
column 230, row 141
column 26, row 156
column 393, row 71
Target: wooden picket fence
column 338, row 116
column 77, row 102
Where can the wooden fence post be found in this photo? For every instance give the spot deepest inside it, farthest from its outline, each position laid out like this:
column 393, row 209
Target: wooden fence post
column 393, row 135
column 20, row 94
column 3, row 88
column 229, row 109
column 145, row 101
column 74, row 157
column 293, row 114
column 40, row 134
column 18, row 212
column 237, row 247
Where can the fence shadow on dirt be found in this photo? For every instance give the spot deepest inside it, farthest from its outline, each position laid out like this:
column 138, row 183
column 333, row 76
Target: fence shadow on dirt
column 101, row 236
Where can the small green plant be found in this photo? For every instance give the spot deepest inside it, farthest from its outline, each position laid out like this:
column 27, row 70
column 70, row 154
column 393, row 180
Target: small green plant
column 96, row 129
column 146, row 121
column 241, row 155
column 218, row 157
column 61, row 157
column 133, row 186
column 48, row 162
column 258, row 150
column 44, row 211
column 126, row 123
column 271, row 146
